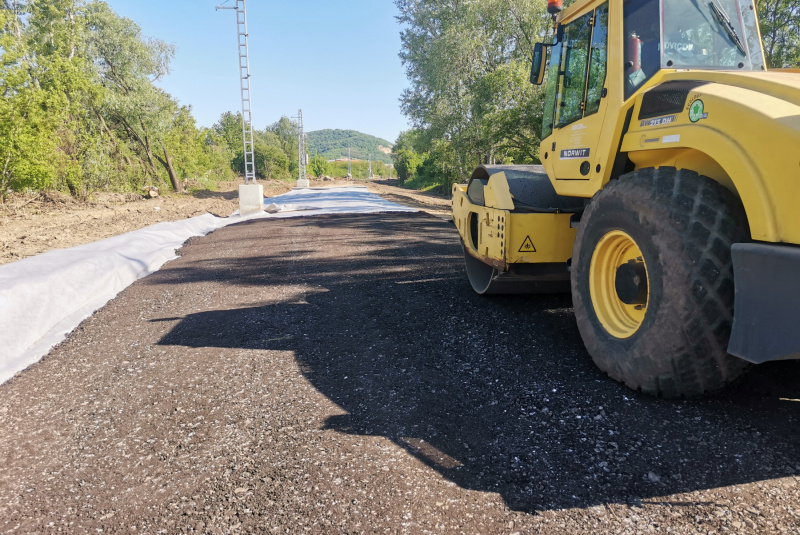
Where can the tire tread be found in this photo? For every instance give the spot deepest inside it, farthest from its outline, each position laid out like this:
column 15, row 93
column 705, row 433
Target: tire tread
column 706, row 219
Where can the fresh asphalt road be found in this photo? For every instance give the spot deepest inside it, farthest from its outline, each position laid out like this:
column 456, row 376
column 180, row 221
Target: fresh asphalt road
column 336, row 374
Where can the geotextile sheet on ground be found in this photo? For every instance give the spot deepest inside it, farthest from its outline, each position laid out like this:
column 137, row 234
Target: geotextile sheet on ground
column 43, row 298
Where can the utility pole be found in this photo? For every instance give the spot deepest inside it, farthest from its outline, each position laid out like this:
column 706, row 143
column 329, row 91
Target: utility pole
column 244, row 76
column 369, row 169
column 251, row 196
column 349, row 170
column 302, row 182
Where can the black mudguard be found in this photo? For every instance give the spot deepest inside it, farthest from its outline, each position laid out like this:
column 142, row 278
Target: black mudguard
column 766, row 320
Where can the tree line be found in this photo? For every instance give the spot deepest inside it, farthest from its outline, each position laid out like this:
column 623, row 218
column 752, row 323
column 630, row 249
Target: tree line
column 470, row 100
column 275, row 149
column 80, row 109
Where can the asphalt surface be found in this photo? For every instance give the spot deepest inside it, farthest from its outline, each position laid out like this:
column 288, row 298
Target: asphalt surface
column 336, row 374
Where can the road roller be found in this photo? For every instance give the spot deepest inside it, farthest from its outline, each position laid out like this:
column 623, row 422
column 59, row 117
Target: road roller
column 666, row 199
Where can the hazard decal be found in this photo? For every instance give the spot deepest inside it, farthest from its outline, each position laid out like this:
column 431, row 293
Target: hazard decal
column 527, row 246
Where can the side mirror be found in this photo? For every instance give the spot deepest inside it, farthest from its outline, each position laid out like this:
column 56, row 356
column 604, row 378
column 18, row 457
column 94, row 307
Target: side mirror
column 539, row 64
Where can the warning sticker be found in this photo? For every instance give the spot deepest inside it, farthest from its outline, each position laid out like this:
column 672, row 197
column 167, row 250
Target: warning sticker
column 527, row 246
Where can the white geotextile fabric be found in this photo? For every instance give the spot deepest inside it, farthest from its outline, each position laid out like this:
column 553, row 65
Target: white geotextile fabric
column 43, row 298
column 301, row 202
column 275, row 208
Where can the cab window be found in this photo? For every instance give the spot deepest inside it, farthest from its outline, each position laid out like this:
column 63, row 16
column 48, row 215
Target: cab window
column 642, row 55
column 577, row 71
column 576, row 59
column 708, row 35
column 597, row 67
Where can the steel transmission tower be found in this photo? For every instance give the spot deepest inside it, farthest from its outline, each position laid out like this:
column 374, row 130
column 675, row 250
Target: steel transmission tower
column 301, row 150
column 244, row 75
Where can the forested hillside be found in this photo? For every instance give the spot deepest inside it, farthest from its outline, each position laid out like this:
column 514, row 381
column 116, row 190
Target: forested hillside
column 333, row 144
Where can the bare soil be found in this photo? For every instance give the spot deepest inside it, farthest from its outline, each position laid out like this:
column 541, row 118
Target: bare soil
column 32, row 224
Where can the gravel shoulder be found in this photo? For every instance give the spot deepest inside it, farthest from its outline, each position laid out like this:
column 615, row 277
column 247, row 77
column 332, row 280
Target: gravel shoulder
column 335, row 374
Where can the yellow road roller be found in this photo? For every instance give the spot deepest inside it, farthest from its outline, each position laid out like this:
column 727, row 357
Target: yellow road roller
column 667, row 199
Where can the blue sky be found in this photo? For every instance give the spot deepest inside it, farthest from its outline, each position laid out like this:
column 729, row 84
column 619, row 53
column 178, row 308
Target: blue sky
column 335, row 60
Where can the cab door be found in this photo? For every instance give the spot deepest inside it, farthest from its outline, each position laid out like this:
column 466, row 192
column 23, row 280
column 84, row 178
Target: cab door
column 579, row 103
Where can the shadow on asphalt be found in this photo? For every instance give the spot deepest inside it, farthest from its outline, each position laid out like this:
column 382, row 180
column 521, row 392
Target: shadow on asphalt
column 496, row 394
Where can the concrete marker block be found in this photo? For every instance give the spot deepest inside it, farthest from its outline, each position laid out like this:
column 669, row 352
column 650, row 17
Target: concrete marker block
column 251, row 198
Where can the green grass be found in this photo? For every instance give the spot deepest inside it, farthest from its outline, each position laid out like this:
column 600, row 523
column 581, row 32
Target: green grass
column 424, row 183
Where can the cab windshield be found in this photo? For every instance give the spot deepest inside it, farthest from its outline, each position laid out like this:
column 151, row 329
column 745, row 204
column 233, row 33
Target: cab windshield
column 709, row 34
column 689, row 34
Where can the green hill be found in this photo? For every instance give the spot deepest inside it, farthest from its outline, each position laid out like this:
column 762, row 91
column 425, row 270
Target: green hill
column 333, row 144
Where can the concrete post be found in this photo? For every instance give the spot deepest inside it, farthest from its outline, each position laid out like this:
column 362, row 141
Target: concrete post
column 251, row 198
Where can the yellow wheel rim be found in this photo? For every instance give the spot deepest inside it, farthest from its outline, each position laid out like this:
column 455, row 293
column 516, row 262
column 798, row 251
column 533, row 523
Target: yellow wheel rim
column 616, row 248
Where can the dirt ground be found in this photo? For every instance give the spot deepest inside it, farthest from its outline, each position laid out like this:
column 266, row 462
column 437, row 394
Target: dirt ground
column 32, row 224
column 336, row 374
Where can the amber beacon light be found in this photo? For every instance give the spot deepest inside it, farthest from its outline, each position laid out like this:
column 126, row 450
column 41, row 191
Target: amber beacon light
column 554, row 6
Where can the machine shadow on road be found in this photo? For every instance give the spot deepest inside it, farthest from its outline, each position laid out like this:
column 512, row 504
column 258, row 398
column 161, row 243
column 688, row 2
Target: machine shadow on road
column 496, row 394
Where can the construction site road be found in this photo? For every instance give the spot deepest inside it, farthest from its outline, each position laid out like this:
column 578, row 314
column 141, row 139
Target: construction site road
column 336, row 374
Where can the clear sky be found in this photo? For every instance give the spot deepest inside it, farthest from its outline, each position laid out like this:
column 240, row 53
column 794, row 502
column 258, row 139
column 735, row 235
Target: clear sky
column 337, row 61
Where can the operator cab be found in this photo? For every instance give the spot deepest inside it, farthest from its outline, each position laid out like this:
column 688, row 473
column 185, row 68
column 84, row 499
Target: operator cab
column 599, row 54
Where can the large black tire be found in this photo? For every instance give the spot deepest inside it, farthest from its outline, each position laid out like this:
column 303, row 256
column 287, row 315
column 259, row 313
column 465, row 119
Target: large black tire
column 684, row 225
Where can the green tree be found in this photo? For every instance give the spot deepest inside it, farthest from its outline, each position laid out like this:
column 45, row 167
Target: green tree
column 229, row 128
column 229, row 132
column 406, row 159
column 272, row 147
column 287, row 132
column 270, row 161
column 218, row 154
column 193, row 156
column 39, row 90
column 318, row 165
column 129, row 65
column 466, row 62
column 780, row 30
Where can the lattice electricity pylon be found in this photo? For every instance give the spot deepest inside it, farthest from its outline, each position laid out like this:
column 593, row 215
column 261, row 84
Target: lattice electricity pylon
column 369, row 171
column 244, row 75
column 301, row 146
